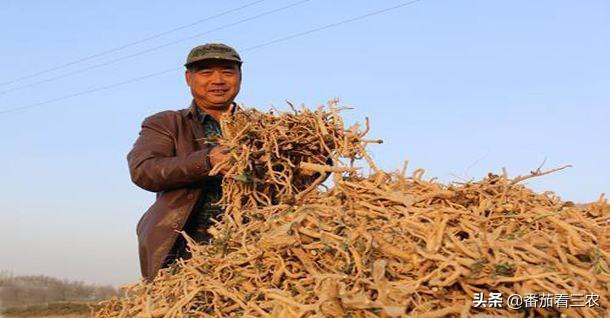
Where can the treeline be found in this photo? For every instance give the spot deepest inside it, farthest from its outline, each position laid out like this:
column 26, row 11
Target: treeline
column 40, row 289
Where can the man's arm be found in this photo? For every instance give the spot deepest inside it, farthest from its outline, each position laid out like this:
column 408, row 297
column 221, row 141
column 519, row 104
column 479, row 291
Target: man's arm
column 153, row 164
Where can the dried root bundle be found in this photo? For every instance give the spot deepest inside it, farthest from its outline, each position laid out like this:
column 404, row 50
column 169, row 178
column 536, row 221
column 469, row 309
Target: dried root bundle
column 378, row 245
column 278, row 159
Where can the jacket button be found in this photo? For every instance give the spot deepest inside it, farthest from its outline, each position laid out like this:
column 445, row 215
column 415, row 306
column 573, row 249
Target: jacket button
column 190, row 196
column 175, row 226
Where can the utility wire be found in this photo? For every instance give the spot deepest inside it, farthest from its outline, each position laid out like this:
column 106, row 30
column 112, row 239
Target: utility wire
column 130, row 44
column 89, row 91
column 251, row 48
column 156, row 48
column 332, row 25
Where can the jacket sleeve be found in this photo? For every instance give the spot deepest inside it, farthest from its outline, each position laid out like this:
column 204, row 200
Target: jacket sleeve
column 153, row 164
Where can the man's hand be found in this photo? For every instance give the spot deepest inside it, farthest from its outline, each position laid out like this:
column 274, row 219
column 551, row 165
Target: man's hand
column 219, row 155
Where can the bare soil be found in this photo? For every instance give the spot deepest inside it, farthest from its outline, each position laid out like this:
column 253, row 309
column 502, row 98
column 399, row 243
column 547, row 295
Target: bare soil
column 51, row 310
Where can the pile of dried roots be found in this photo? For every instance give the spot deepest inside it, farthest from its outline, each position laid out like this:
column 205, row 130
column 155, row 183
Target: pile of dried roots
column 376, row 245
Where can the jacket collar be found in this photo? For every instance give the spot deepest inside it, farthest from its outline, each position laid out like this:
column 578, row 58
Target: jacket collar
column 196, row 126
column 192, row 110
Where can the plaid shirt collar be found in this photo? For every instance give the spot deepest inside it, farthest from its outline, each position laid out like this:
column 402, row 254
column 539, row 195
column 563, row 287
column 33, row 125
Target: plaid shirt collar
column 200, row 114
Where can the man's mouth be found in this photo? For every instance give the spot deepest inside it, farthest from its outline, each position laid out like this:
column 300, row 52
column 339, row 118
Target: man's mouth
column 218, row 91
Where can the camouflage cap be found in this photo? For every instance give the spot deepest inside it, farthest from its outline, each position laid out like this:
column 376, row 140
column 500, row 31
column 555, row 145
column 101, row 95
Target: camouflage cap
column 209, row 51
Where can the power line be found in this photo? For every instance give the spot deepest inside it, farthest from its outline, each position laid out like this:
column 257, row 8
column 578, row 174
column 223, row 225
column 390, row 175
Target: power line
column 332, row 25
column 130, row 44
column 89, row 91
column 113, row 61
column 251, row 48
column 156, row 48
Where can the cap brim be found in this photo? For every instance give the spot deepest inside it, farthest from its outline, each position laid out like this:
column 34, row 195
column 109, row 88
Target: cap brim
column 211, row 58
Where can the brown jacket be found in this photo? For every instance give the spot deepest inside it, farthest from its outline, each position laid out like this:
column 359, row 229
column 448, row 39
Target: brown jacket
column 169, row 158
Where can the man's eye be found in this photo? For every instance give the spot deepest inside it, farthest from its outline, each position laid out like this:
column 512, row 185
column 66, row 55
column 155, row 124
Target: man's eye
column 228, row 72
column 205, row 72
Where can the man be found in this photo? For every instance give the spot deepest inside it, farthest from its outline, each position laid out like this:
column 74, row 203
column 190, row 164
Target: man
column 173, row 157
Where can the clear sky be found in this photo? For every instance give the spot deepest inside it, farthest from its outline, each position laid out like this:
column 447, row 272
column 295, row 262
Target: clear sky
column 459, row 88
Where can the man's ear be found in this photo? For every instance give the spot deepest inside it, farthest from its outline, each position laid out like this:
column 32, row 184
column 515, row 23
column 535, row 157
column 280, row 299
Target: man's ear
column 187, row 77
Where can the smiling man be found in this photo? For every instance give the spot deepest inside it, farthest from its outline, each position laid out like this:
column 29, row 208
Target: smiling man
column 173, row 156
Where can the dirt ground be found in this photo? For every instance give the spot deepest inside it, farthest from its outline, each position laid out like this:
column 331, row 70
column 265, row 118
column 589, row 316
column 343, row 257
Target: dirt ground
column 53, row 316
column 51, row 310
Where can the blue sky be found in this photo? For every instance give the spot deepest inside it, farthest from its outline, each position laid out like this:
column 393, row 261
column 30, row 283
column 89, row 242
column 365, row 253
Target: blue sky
column 459, row 88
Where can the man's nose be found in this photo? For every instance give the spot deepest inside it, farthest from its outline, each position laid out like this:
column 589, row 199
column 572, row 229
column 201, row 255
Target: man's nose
column 218, row 78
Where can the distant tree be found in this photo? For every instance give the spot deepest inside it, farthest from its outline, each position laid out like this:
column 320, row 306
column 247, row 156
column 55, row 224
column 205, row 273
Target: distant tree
column 5, row 276
column 39, row 289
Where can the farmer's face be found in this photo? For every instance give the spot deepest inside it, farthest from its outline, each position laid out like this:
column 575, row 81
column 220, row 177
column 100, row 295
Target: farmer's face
column 214, row 83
